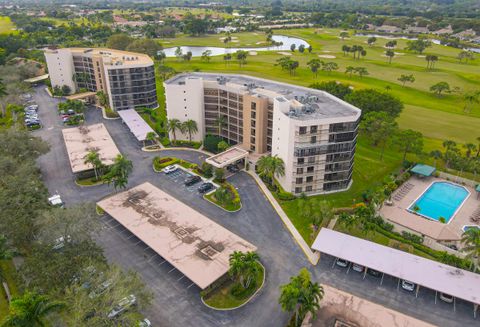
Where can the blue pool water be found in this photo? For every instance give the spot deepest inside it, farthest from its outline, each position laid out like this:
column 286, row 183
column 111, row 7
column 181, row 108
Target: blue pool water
column 441, row 199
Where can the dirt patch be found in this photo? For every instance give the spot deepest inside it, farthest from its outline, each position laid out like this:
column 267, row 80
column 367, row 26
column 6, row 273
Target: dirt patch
column 284, row 53
column 252, row 53
column 327, row 56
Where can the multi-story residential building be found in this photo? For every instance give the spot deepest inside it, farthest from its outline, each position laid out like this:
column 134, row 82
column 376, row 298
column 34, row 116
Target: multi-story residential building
column 313, row 132
column 127, row 78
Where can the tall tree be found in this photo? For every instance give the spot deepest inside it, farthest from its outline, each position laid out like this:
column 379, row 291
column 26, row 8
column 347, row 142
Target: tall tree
column 406, row 78
column 471, row 241
column 174, row 125
column 119, row 172
column 470, row 99
column 371, row 40
column 343, row 35
column 221, row 122
column 390, row 54
column 119, row 41
column 190, row 126
column 372, row 100
column 439, row 88
column 93, row 158
column 379, row 127
column 31, row 310
column 241, row 56
column 314, row 65
column 409, row 141
column 271, row 166
column 435, row 154
column 207, row 55
column 244, row 266
column 301, row 296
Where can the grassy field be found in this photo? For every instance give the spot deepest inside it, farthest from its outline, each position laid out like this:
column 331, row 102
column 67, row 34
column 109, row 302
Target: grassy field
column 244, row 39
column 8, row 270
column 437, row 118
column 6, row 25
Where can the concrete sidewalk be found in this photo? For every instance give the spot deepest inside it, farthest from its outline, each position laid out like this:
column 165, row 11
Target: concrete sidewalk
column 311, row 256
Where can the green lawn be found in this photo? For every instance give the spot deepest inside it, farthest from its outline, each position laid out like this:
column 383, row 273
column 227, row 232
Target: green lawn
column 243, row 39
column 7, row 26
column 222, row 297
column 9, row 272
column 417, row 97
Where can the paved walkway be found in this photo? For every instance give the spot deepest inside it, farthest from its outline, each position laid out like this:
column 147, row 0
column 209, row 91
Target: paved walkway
column 311, row 256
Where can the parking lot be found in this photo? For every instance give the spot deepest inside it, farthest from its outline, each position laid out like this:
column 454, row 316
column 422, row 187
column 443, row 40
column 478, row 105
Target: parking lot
column 180, row 176
column 175, row 302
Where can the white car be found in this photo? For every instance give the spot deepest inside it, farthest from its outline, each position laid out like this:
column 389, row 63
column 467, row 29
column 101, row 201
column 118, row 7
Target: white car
column 56, row 201
column 446, row 298
column 170, row 169
column 100, row 290
column 408, row 286
column 342, row 263
column 123, row 305
column 145, row 323
column 358, row 268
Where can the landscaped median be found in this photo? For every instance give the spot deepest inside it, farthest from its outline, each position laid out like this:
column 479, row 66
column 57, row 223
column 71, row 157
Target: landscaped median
column 160, row 163
column 230, row 293
column 89, row 181
column 226, row 197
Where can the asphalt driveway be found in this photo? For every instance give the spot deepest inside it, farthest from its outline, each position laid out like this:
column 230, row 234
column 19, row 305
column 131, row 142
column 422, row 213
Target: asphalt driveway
column 177, row 304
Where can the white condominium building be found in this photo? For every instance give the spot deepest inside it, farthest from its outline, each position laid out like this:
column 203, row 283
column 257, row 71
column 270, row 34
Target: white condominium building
column 313, row 132
column 127, row 78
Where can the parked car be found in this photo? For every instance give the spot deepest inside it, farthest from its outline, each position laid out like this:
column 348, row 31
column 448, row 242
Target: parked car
column 32, row 107
column 358, row 268
column 374, row 273
column 71, row 112
column 100, row 289
column 342, row 263
column 32, row 124
column 123, row 305
column 205, row 187
column 170, row 169
column 408, row 286
column 192, row 180
column 59, row 243
column 233, row 168
column 446, row 298
column 145, row 323
column 56, row 201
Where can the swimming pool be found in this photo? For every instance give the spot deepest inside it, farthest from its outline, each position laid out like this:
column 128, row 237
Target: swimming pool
column 440, row 199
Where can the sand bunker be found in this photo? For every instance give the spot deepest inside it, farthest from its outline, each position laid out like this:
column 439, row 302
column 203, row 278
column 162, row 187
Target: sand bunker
column 326, row 51
column 252, row 53
column 284, row 53
column 327, row 56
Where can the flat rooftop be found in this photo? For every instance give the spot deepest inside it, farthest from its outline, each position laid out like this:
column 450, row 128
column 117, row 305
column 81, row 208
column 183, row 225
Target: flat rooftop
column 227, row 157
column 111, row 56
column 322, row 104
column 81, row 140
column 195, row 245
column 135, row 123
column 437, row 276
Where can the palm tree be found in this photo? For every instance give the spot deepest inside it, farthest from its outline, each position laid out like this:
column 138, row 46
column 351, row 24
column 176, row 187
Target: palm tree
column 3, row 93
column 93, row 158
column 471, row 240
column 314, row 65
column 435, row 154
column 30, row 310
column 119, row 172
column 191, row 127
column 102, row 98
column 244, row 266
column 270, row 167
column 469, row 149
column 151, row 136
column 174, row 125
column 301, row 296
column 470, row 98
column 350, row 70
column 390, row 54
column 221, row 121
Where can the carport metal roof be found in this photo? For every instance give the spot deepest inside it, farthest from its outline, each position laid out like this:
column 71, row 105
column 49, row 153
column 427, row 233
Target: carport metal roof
column 135, row 123
column 227, row 157
column 427, row 273
column 195, row 245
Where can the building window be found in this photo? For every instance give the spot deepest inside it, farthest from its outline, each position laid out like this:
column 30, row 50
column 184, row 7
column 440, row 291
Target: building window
column 298, row 190
column 252, row 147
column 253, row 114
column 309, row 179
column 253, row 106
column 313, row 139
column 308, row 189
column 311, row 159
column 303, row 130
column 299, row 180
column 310, row 169
column 313, row 129
column 300, row 161
column 299, row 171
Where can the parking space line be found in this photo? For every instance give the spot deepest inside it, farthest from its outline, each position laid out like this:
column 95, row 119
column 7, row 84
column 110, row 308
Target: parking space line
column 145, row 249
column 130, row 236
column 190, row 285
column 171, row 270
column 180, row 278
column 153, row 256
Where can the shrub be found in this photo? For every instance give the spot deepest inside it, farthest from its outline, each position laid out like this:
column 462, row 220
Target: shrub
column 219, row 174
column 187, row 144
column 412, row 237
column 286, row 196
column 165, row 141
column 207, row 170
column 160, row 163
column 211, row 143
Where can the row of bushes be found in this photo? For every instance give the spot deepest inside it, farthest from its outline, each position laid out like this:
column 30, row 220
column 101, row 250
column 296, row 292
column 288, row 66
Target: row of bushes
column 186, row 144
column 160, row 163
column 440, row 256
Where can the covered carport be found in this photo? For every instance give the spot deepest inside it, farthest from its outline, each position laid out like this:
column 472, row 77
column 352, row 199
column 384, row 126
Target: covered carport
column 423, row 272
column 135, row 123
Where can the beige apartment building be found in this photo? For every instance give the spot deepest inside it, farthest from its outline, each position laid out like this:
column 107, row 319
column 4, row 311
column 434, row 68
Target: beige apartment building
column 313, row 132
column 127, row 78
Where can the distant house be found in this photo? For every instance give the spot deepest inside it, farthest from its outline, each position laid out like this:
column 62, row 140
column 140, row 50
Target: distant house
column 476, row 40
column 225, row 29
column 444, row 31
column 417, row 30
column 465, row 35
column 388, row 29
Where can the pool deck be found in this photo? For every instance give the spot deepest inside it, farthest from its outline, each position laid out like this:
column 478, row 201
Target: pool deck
column 451, row 232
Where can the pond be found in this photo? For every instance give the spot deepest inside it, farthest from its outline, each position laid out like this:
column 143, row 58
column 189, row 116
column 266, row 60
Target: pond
column 216, row 51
